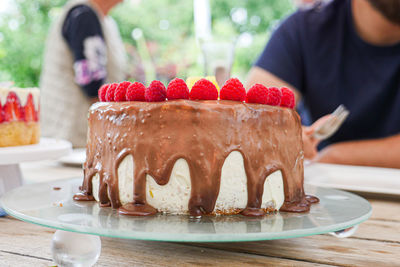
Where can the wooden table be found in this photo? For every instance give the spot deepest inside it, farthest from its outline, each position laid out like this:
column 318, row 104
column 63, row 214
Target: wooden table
column 376, row 243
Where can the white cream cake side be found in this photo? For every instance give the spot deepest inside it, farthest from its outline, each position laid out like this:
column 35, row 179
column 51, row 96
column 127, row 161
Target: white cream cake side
column 173, row 197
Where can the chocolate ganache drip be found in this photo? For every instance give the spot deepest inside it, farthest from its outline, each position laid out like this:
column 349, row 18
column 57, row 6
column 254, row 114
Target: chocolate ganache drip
column 203, row 133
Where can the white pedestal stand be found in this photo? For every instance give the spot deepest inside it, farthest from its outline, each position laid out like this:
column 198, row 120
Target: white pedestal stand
column 11, row 157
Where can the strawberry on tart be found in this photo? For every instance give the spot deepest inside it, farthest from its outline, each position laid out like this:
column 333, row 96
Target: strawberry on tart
column 19, row 116
column 199, row 151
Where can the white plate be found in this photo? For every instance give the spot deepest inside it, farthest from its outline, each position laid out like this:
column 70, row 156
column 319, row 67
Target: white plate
column 76, row 158
column 354, row 178
column 47, row 148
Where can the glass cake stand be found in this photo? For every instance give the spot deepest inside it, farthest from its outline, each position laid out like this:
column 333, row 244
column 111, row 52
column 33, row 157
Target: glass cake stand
column 51, row 205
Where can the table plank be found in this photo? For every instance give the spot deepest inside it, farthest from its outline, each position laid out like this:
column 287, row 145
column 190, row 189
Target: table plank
column 279, row 252
column 17, row 259
column 385, row 231
column 323, row 249
column 24, row 241
column 385, row 210
column 172, row 254
column 23, row 238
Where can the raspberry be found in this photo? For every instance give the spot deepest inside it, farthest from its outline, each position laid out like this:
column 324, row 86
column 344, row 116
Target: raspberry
column 102, row 92
column 233, row 89
column 287, row 99
column 274, row 96
column 203, row 90
column 258, row 93
column 119, row 94
column 156, row 92
column 135, row 92
column 177, row 89
column 110, row 92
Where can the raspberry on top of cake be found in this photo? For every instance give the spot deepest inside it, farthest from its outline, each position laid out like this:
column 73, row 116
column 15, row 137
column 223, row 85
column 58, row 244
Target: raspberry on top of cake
column 19, row 116
column 195, row 149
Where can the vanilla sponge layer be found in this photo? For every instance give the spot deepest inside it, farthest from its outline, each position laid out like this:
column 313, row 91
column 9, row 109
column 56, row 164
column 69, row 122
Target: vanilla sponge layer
column 19, row 133
column 174, row 196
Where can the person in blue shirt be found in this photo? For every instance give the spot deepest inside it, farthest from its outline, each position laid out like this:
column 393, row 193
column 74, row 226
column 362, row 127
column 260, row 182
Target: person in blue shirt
column 342, row 52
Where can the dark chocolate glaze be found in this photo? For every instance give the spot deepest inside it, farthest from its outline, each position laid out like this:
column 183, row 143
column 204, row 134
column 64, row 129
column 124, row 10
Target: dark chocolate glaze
column 203, row 133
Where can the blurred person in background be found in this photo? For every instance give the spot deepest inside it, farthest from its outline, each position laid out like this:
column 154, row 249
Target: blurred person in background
column 342, row 52
column 84, row 50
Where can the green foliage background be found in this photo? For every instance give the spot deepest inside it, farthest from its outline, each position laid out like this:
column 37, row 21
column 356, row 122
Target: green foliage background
column 23, row 31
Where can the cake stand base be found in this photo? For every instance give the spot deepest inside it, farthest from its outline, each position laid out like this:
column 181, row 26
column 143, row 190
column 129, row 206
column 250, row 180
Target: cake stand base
column 51, row 204
column 75, row 249
column 10, row 178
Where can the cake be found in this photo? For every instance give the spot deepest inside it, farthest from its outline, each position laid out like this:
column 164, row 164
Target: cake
column 195, row 154
column 19, row 116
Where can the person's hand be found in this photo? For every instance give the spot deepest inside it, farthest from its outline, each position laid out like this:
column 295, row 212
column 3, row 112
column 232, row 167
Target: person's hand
column 309, row 142
column 331, row 154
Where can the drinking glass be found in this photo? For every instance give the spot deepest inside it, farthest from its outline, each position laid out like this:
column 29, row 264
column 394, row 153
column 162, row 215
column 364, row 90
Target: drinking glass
column 218, row 58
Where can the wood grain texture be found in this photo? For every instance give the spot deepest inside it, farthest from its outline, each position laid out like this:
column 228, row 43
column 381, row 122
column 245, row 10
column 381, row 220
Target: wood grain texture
column 385, row 210
column 385, row 231
column 323, row 249
column 20, row 260
column 172, row 254
column 27, row 243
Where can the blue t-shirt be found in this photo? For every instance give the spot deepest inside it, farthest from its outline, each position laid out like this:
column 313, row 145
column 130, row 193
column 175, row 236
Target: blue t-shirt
column 320, row 53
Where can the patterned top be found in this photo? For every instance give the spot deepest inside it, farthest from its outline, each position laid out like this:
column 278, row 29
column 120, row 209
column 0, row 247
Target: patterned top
column 83, row 34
